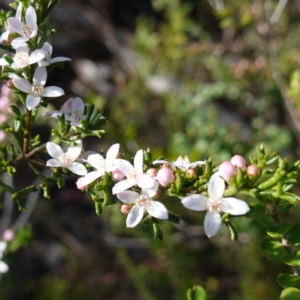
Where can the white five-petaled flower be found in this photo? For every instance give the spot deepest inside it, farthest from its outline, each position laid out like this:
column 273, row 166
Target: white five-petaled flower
column 182, row 163
column 73, row 109
column 36, row 90
column 101, row 164
column 134, row 174
column 3, row 266
column 142, row 203
column 214, row 204
column 8, row 29
column 65, row 159
column 48, row 60
column 26, row 30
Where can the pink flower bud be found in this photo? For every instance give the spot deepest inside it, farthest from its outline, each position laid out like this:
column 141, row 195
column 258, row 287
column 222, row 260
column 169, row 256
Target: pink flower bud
column 191, row 173
column 117, row 175
column 2, row 135
column 79, row 184
column 252, row 170
column 8, row 235
column 238, row 161
column 227, row 170
column 152, row 172
column 165, row 176
column 125, row 209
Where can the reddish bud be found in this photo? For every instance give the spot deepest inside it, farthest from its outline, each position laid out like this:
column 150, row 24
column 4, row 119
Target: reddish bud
column 238, row 161
column 227, row 170
column 117, row 175
column 125, row 209
column 79, row 184
column 165, row 176
column 8, row 235
column 252, row 170
column 152, row 172
column 191, row 173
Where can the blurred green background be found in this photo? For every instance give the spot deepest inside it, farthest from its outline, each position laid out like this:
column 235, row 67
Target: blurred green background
column 198, row 78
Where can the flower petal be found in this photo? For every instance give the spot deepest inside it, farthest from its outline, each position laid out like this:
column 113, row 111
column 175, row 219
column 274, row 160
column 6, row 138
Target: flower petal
column 53, row 91
column 195, row 202
column 112, row 153
column 216, row 186
column 40, row 75
column 74, row 151
column 18, row 42
column 234, row 206
column 22, row 85
column 78, row 168
column 146, row 181
column 128, row 197
column 53, row 113
column 138, row 162
column 15, row 24
column 135, row 216
column 30, row 17
column 53, row 163
column 36, row 56
column 3, row 245
column 95, row 160
column 124, row 166
column 92, row 176
column 54, row 150
column 3, row 267
column 59, row 59
column 151, row 192
column 212, row 223
column 32, row 102
column 194, row 164
column 122, row 186
column 78, row 104
column 157, row 210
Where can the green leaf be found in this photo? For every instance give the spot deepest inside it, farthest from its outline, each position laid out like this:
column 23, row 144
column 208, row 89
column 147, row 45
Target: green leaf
column 278, row 231
column 293, row 260
column 288, row 280
column 196, row 293
column 158, row 234
column 290, row 293
column 293, row 235
column 273, row 249
column 257, row 211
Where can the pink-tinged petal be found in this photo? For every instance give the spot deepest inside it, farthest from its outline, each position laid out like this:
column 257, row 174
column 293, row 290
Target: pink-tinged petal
column 95, row 160
column 59, row 59
column 40, row 75
column 67, row 107
column 78, row 104
column 18, row 42
column 36, row 56
column 122, row 186
column 32, row 102
column 212, row 223
column 128, row 197
column 151, row 192
column 53, row 163
column 124, row 166
column 3, row 267
column 112, row 153
column 54, row 150
column 16, row 25
column 146, row 181
column 78, row 168
column 92, row 176
column 195, row 202
column 194, row 164
column 216, row 186
column 53, row 91
column 53, row 113
column 30, row 17
column 19, row 11
column 3, row 62
column 234, row 206
column 157, row 210
column 74, row 152
column 138, row 161
column 135, row 216
column 4, row 36
column 22, row 85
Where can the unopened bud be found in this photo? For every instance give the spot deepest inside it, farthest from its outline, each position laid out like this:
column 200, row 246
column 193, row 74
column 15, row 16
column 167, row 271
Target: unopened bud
column 8, row 235
column 117, row 175
column 191, row 173
column 252, row 170
column 10, row 83
column 79, row 184
column 152, row 172
column 165, row 176
column 227, row 170
column 238, row 161
column 125, row 209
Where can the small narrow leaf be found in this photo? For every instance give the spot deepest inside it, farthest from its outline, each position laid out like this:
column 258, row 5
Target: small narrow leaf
column 288, row 280
column 196, row 293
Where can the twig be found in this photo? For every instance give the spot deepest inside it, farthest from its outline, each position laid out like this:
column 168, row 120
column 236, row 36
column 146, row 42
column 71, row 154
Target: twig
column 278, row 12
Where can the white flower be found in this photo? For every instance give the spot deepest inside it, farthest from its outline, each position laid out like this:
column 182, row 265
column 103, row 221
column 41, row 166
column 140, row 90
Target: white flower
column 182, row 163
column 36, row 90
column 8, row 29
column 142, row 203
column 214, row 204
column 48, row 60
column 22, row 58
column 65, row 159
column 3, row 266
column 101, row 164
column 134, row 174
column 27, row 31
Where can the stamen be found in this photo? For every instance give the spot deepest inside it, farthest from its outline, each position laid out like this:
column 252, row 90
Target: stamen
column 27, row 31
column 143, row 201
column 214, row 205
column 37, row 89
column 65, row 160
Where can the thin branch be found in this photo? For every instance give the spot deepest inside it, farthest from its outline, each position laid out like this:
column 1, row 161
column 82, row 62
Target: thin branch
column 278, row 12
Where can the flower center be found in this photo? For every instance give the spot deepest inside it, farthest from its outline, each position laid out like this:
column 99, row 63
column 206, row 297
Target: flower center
column 214, row 205
column 143, row 201
column 77, row 116
column 132, row 175
column 21, row 58
column 65, row 160
column 101, row 164
column 37, row 89
column 27, row 31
